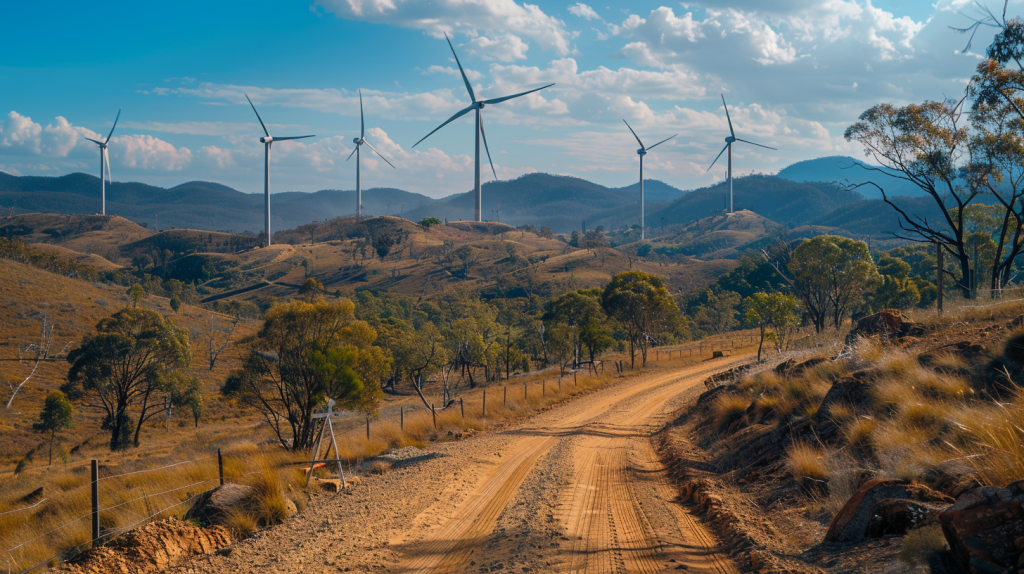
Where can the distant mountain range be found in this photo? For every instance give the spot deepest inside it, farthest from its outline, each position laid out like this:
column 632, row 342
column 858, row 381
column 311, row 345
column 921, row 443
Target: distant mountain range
column 801, row 194
column 846, row 170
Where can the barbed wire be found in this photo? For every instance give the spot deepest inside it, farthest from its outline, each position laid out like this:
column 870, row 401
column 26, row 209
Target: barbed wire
column 24, row 507
column 157, row 468
column 157, row 494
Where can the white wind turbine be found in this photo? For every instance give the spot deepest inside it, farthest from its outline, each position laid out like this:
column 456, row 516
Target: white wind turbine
column 642, row 152
column 359, row 141
column 267, row 142
column 477, row 106
column 728, row 146
column 105, row 162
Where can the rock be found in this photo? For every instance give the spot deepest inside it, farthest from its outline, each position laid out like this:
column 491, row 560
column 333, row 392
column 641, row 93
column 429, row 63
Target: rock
column 898, row 515
column 212, row 506
column 726, row 376
column 965, row 349
column 794, row 368
column 851, row 523
column 290, row 508
column 154, row 547
column 983, row 527
column 889, row 324
column 852, row 391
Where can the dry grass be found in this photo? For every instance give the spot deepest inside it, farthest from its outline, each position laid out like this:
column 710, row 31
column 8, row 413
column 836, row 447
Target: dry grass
column 806, row 461
column 728, row 406
column 380, row 467
column 859, row 433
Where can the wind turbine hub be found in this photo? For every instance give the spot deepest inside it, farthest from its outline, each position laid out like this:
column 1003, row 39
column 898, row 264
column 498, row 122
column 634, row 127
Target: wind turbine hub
column 730, row 139
column 357, row 141
column 479, row 105
column 641, row 152
column 267, row 139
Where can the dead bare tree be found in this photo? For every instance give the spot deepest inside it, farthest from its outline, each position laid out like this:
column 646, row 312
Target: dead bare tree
column 36, row 353
column 214, row 346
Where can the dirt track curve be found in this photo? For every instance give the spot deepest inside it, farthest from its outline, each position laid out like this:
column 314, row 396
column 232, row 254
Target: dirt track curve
column 577, row 488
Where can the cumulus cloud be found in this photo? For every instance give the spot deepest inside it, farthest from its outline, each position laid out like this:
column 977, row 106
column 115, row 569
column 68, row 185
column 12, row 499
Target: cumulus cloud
column 469, row 17
column 148, row 153
column 19, row 134
column 583, row 11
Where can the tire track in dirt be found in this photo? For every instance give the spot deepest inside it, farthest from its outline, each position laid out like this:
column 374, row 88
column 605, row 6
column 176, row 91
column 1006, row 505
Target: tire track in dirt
column 617, row 474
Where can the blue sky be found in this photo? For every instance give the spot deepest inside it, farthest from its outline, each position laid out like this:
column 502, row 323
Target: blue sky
column 795, row 74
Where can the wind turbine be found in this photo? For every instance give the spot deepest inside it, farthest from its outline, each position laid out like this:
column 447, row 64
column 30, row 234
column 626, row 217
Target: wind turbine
column 642, row 152
column 359, row 141
column 267, row 142
column 105, row 161
column 728, row 146
column 477, row 106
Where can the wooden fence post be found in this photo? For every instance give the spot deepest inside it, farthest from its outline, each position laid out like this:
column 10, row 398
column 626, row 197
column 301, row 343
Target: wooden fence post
column 525, row 396
column 433, row 412
column 504, row 396
column 483, row 409
column 543, row 387
column 367, row 428
column 574, row 378
column 95, row 502
column 462, row 407
column 220, row 467
column 401, row 419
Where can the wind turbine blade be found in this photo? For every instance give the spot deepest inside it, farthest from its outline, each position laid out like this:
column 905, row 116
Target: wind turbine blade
column 292, row 138
column 661, row 142
column 634, row 134
column 727, row 118
column 353, row 152
column 94, row 141
column 499, row 100
column 113, row 126
column 450, row 120
column 362, row 122
column 469, row 87
column 757, row 144
column 381, row 155
column 265, row 132
column 716, row 158
column 488, row 150
column 106, row 158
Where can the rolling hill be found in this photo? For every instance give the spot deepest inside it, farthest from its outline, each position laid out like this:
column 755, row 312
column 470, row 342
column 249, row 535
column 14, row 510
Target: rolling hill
column 847, row 170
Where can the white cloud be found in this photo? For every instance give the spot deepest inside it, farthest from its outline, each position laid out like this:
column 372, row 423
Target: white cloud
column 583, row 11
column 470, row 17
column 502, row 47
column 148, row 153
column 473, row 75
column 19, row 134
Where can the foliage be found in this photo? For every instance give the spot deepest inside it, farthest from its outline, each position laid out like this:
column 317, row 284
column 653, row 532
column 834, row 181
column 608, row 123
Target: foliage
column 311, row 288
column 429, row 222
column 771, row 310
column 137, row 294
column 577, row 317
column 118, row 369
column 718, row 314
column 303, row 355
column 643, row 305
column 57, row 415
column 831, row 274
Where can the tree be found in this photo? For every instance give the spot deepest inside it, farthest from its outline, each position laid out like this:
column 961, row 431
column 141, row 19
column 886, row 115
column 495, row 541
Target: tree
column 718, row 314
column 584, row 322
column 311, row 288
column 641, row 302
column 175, row 303
column 429, row 222
column 771, row 310
column 929, row 146
column 546, row 232
column 186, row 391
column 119, row 368
column 830, row 276
column 38, row 352
column 303, row 355
column 137, row 294
column 57, row 415
column 218, row 338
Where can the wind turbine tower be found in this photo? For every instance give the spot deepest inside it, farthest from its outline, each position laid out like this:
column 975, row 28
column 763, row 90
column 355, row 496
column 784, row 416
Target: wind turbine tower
column 267, row 142
column 729, row 140
column 476, row 106
column 359, row 141
column 105, row 162
column 642, row 152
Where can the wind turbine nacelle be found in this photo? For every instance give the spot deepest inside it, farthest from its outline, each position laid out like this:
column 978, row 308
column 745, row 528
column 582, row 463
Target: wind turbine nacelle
column 730, row 139
column 641, row 152
column 267, row 139
column 357, row 141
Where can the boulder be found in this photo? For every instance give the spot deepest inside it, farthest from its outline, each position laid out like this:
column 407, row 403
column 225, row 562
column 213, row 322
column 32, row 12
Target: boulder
column 889, row 323
column 898, row 515
column 726, row 376
column 854, row 391
column 213, row 506
column 794, row 368
column 985, row 529
column 854, row 521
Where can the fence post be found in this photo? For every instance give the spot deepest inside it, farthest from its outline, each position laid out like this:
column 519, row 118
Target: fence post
column 574, row 378
column 401, row 418
column 433, row 412
column 367, row 428
column 220, row 466
column 483, row 409
column 525, row 396
column 95, row 502
column 462, row 407
column 504, row 396
column 544, row 387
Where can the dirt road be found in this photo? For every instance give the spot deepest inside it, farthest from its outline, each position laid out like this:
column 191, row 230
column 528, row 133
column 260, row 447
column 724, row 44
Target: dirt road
column 576, row 489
